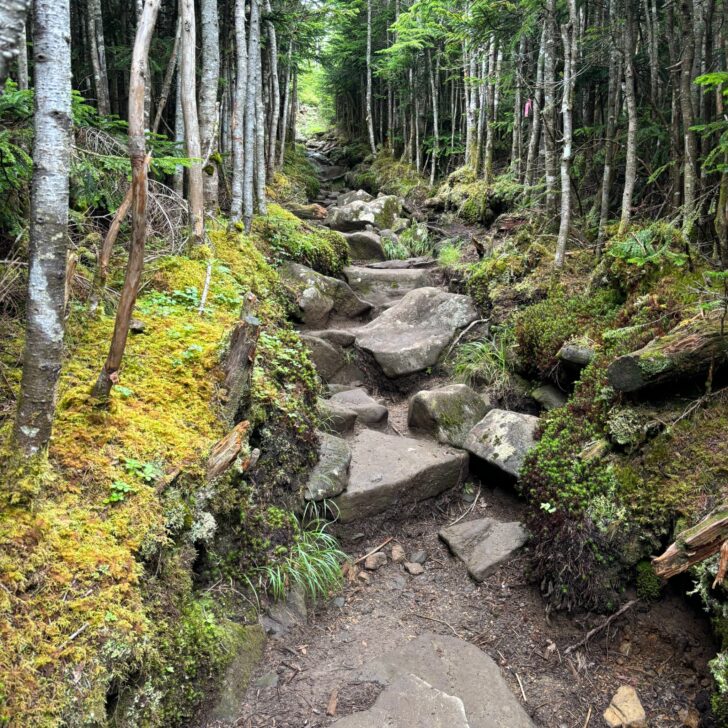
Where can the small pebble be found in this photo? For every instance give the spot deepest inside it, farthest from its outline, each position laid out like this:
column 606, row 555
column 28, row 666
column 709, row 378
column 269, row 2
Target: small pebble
column 398, row 555
column 363, row 576
column 375, row 561
column 418, row 557
column 339, row 602
column 414, row 568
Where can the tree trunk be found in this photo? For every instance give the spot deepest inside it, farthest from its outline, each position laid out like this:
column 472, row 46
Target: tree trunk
column 549, row 107
column 192, row 125
column 137, row 152
column 23, row 82
column 369, row 118
column 48, row 226
column 208, row 106
column 275, row 110
column 286, row 103
column 260, row 165
column 517, row 134
column 250, row 116
column 238, row 122
column 689, row 350
column 494, row 72
column 535, row 132
column 434, row 90
column 690, row 144
column 12, row 22
column 568, row 39
column 178, row 182
column 630, row 167
column 98, row 55
column 470, row 72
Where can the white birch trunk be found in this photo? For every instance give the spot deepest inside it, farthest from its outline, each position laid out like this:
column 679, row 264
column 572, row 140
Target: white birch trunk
column 238, row 120
column 208, row 106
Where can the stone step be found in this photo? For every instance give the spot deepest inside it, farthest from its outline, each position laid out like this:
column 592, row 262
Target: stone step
column 388, row 471
column 448, row 673
column 383, row 286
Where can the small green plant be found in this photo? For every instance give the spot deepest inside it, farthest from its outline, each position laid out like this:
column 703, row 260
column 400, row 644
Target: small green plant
column 449, row 255
column 148, row 472
column 650, row 245
column 312, row 562
column 487, row 361
column 118, row 491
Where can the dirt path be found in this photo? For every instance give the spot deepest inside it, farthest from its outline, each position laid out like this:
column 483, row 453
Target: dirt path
column 312, row 674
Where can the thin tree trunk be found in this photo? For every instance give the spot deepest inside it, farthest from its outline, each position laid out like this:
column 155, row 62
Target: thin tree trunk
column 137, row 152
column 208, row 106
column 23, row 77
column 286, row 104
column 471, row 72
column 535, row 133
column 568, row 39
column 687, row 111
column 260, row 165
column 434, row 90
column 250, row 116
column 549, row 116
column 370, row 120
column 48, row 226
column 275, row 110
column 192, row 125
column 12, row 21
column 178, row 182
column 494, row 71
column 238, row 122
column 517, row 134
column 630, row 167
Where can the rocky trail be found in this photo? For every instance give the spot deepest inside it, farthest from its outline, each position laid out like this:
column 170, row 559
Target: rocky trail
column 438, row 624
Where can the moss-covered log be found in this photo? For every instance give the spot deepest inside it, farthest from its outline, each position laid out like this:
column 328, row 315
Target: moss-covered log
column 687, row 351
column 694, row 545
column 307, row 212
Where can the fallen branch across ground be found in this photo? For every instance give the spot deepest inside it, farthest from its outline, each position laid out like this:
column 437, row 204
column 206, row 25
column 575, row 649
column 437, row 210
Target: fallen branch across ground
column 603, row 625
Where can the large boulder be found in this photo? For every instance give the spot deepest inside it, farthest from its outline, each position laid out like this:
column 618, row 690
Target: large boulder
column 380, row 212
column 384, row 285
column 319, row 296
column 388, row 471
column 448, row 412
column 456, row 668
column 331, row 473
column 411, row 335
column 328, row 358
column 346, row 198
column 503, row 438
column 336, row 417
column 367, row 409
column 483, row 544
column 365, row 245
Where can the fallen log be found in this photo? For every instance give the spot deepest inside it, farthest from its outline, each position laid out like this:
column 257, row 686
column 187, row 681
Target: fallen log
column 694, row 544
column 238, row 365
column 225, row 451
column 690, row 349
column 307, row 212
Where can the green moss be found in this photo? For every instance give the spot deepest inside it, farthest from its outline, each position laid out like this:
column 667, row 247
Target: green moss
column 649, row 585
column 393, row 177
column 297, row 181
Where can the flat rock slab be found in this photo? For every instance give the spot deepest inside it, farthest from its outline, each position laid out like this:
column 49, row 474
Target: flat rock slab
column 331, row 473
column 365, row 245
column 387, row 471
column 484, row 544
column 400, row 264
column 341, row 337
column 336, row 417
column 382, row 286
column 411, row 335
column 367, row 409
column 503, row 438
column 410, row 702
column 456, row 668
column 448, row 412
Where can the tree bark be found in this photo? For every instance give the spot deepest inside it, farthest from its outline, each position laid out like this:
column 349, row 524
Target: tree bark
column 535, row 132
column 260, row 163
column 549, row 106
column 12, row 22
column 208, row 106
column 687, row 112
column 250, row 116
column 137, row 152
column 275, row 106
column 630, row 166
column 191, row 120
column 286, row 104
column 568, row 39
column 23, row 77
column 369, row 118
column 238, row 123
column 48, row 226
column 689, row 350
column 98, row 55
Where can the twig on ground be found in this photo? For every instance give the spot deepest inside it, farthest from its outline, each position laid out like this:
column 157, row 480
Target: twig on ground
column 467, row 510
column 81, row 629
column 603, row 625
column 520, row 685
column 461, row 334
column 374, row 551
column 588, row 717
column 441, row 621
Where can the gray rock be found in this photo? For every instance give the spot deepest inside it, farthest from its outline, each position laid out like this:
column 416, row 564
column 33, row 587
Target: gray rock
column 383, row 286
column 353, row 196
column 503, row 439
column 410, row 702
column 367, row 409
column 388, row 471
column 399, row 225
column 341, row 337
column 380, row 212
column 137, row 326
column 448, row 412
column 331, row 473
column 329, row 174
column 484, row 544
column 365, row 245
column 327, row 357
column 418, row 557
column 269, row 680
column 578, row 353
column 549, row 397
column 319, row 295
column 421, row 262
column 286, row 614
column 336, row 388
column 457, row 668
column 336, row 417
column 411, row 335
column 375, row 561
